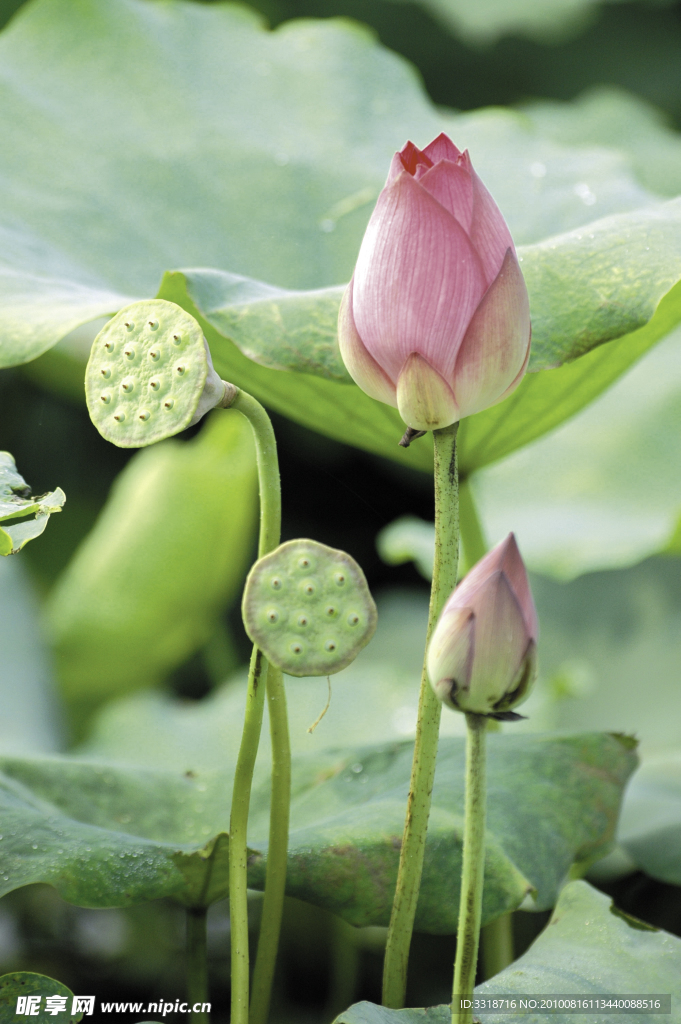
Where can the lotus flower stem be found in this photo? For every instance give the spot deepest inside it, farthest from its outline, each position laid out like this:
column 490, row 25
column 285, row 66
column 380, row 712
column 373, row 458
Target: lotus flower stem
column 270, row 529
column 473, row 868
column 496, row 938
column 275, row 881
column 427, row 727
column 197, row 963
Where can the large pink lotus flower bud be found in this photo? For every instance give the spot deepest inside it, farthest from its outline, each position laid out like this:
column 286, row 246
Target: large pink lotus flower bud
column 436, row 319
column 482, row 655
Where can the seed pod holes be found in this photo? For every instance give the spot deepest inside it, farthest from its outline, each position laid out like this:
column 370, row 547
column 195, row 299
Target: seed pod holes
column 137, row 354
column 321, row 624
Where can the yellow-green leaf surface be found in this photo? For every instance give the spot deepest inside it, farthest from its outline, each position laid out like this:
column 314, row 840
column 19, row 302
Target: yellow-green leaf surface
column 263, row 159
column 107, row 834
column 169, row 551
column 589, row 948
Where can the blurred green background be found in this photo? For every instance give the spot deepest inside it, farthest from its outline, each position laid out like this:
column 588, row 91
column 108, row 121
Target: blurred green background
column 601, row 491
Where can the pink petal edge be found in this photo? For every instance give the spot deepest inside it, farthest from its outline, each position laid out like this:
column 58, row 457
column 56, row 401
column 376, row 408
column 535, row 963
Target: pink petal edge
column 442, row 148
column 489, row 231
column 359, row 363
column 451, row 185
column 496, row 344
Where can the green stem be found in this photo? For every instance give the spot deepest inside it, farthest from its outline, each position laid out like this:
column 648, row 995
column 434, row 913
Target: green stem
column 270, row 529
column 275, row 881
column 473, row 868
column 496, row 942
column 474, row 546
column 197, row 962
column 268, row 471
column 427, row 728
column 238, row 824
column 496, row 939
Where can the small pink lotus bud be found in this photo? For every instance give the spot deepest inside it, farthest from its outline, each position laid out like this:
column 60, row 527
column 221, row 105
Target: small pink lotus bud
column 482, row 655
column 436, row 319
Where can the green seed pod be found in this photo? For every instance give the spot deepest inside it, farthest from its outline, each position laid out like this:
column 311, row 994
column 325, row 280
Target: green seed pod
column 149, row 374
column 308, row 608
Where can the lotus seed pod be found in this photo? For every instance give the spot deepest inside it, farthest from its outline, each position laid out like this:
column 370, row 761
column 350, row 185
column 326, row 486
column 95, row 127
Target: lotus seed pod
column 149, row 374
column 308, row 608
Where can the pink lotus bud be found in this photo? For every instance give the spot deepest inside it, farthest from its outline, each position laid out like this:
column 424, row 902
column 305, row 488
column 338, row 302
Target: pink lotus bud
column 436, row 319
column 482, row 655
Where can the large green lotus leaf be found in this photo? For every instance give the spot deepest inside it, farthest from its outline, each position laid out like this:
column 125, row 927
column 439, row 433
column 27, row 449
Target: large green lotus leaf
column 602, row 491
column 563, row 329
column 278, row 145
column 107, row 834
column 168, row 553
column 27, row 983
column 545, row 400
column 589, row 948
column 16, row 503
column 263, row 158
column 601, row 282
column 570, row 789
column 606, row 116
column 650, row 827
column 30, row 719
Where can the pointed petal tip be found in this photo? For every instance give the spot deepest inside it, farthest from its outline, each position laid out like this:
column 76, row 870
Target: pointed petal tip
column 442, row 148
column 411, row 157
column 512, row 564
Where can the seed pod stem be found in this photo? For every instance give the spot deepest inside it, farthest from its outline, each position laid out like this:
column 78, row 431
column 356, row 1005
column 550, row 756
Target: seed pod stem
column 275, row 879
column 268, row 469
column 259, row 672
column 238, row 848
